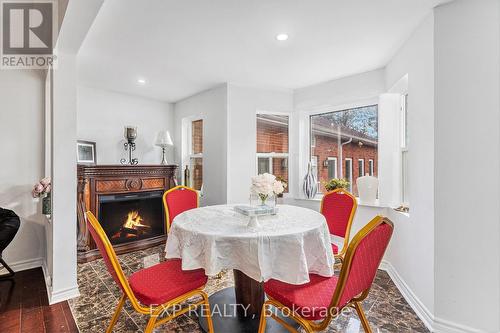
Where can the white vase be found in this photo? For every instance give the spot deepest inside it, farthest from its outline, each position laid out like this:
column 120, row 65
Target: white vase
column 310, row 185
column 367, row 189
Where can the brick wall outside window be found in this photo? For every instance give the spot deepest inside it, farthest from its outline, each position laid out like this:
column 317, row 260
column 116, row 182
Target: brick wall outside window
column 327, row 146
column 197, row 136
column 197, row 148
column 272, row 137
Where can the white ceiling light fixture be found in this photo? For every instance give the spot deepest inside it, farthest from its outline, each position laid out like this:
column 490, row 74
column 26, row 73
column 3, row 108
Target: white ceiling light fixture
column 282, row 37
column 141, row 81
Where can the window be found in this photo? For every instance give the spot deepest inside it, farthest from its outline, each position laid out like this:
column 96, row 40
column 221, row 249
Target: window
column 361, row 167
column 346, row 135
column 272, row 145
column 332, row 167
column 370, row 167
column 196, row 155
column 404, row 150
column 348, row 172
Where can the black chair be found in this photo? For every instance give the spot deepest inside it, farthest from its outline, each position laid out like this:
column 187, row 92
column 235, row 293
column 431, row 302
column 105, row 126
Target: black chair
column 9, row 224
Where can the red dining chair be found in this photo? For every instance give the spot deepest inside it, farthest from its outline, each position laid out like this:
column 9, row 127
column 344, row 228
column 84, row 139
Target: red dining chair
column 313, row 305
column 153, row 290
column 177, row 200
column 339, row 207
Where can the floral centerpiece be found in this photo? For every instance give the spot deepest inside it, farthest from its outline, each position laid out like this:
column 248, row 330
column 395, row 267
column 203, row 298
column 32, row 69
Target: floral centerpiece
column 266, row 185
column 42, row 189
column 336, row 183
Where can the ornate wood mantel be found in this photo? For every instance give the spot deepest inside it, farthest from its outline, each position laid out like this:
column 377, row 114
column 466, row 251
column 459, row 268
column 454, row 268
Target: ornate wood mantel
column 94, row 181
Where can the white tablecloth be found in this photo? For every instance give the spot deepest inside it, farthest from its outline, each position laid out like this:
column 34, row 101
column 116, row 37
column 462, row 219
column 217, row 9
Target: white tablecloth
column 286, row 246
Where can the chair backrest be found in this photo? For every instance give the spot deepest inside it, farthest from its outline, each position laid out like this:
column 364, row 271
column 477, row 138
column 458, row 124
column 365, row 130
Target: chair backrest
column 106, row 250
column 362, row 260
column 339, row 207
column 178, row 200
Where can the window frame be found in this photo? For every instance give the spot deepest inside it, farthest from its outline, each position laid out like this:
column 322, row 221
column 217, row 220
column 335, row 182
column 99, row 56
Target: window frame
column 371, row 102
column 350, row 172
column 404, row 151
column 335, row 160
column 272, row 155
column 190, row 155
column 371, row 167
column 362, row 160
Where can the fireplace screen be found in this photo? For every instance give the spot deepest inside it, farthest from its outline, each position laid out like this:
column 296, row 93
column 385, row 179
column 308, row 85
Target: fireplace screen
column 132, row 216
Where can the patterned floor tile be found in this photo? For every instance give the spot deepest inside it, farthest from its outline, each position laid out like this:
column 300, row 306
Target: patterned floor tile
column 385, row 307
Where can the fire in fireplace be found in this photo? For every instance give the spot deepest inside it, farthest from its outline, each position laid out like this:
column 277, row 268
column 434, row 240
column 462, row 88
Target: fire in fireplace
column 132, row 216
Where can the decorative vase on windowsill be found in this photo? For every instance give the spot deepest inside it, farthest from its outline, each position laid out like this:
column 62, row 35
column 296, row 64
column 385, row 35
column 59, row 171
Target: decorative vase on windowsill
column 310, row 186
column 42, row 190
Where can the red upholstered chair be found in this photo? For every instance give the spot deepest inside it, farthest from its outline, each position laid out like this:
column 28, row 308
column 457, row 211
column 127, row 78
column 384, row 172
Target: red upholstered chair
column 339, row 207
column 177, row 200
column 313, row 305
column 153, row 290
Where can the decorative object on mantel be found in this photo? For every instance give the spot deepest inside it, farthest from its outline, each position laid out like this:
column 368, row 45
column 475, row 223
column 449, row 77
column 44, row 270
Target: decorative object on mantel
column 187, row 177
column 310, row 186
column 130, row 134
column 163, row 140
column 9, row 225
column 367, row 189
column 336, row 183
column 42, row 190
column 402, row 209
column 86, row 153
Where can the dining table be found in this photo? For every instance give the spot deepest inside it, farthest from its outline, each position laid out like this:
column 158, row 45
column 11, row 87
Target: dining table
column 287, row 246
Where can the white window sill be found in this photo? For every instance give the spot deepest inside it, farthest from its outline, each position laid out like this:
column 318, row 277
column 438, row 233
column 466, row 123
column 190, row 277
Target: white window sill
column 376, row 204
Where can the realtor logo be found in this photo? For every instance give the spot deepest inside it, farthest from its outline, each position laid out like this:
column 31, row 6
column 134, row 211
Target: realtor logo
column 28, row 34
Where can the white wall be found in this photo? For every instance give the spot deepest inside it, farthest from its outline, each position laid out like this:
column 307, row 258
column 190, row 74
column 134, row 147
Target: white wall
column 344, row 91
column 412, row 247
column 22, row 120
column 102, row 114
column 467, row 122
column 211, row 105
column 243, row 104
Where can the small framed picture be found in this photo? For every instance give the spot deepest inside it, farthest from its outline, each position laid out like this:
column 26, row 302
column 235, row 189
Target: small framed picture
column 85, row 153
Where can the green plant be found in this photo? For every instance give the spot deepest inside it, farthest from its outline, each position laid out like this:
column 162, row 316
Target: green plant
column 336, row 183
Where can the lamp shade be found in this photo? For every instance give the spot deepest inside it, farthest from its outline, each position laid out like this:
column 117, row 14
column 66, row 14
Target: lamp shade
column 163, row 139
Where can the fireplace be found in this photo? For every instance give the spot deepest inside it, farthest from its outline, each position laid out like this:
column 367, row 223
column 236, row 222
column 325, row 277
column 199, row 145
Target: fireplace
column 131, row 217
column 127, row 201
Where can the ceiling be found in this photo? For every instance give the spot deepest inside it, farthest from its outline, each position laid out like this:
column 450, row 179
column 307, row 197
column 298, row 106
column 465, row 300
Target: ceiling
column 183, row 47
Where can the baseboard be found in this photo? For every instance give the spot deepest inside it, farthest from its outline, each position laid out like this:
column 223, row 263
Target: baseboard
column 63, row 295
column 23, row 265
column 420, row 309
column 445, row 326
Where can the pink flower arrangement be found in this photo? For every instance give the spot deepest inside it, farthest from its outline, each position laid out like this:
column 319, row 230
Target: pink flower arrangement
column 41, row 188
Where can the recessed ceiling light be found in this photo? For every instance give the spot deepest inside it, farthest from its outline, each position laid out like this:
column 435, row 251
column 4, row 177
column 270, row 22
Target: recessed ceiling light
column 141, row 81
column 282, row 37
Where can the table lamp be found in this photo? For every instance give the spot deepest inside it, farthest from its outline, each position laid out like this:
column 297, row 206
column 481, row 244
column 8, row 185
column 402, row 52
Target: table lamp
column 163, row 140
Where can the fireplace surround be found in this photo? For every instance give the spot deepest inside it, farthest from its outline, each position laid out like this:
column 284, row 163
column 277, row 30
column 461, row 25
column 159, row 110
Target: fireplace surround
column 127, row 200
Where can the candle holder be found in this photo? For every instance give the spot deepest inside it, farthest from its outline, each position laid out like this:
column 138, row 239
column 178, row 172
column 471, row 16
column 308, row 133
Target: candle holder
column 130, row 134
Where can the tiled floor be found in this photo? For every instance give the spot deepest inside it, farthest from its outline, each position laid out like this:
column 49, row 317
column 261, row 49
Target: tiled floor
column 386, row 308
column 24, row 306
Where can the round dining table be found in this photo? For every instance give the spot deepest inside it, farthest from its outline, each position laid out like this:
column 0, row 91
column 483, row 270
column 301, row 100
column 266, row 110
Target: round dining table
column 286, row 246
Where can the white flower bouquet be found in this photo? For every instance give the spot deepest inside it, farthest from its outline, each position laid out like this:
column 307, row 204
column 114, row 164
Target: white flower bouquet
column 266, row 185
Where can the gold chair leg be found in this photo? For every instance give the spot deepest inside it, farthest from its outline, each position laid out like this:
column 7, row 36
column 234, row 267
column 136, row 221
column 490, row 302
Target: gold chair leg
column 263, row 314
column 151, row 323
column 116, row 314
column 208, row 312
column 362, row 317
